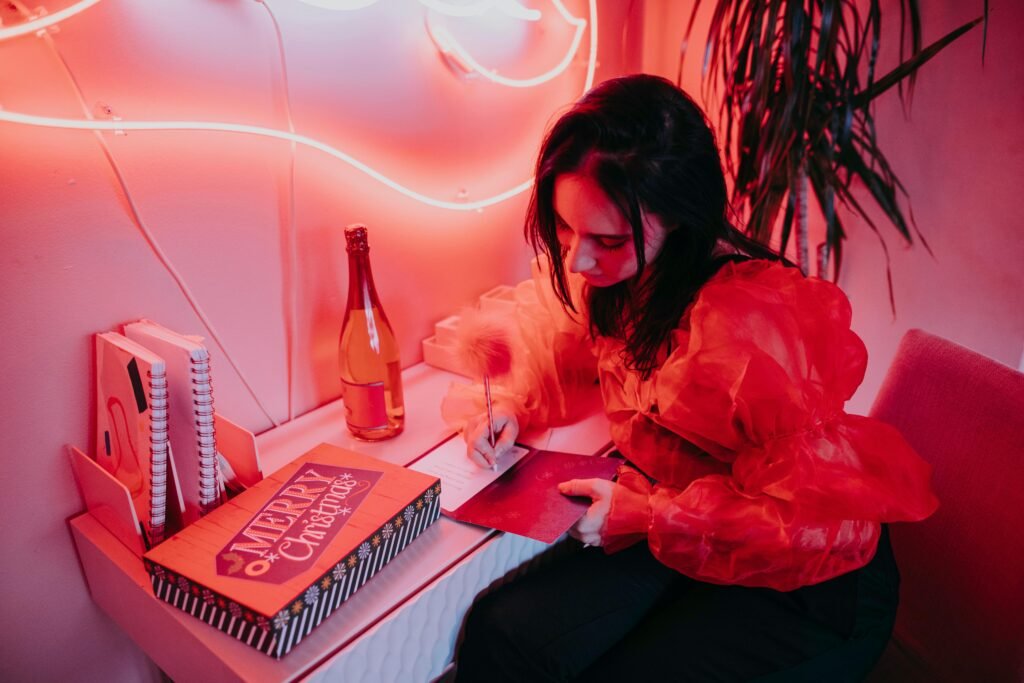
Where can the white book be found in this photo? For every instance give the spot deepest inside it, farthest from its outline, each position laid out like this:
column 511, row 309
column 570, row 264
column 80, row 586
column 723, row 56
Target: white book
column 190, row 420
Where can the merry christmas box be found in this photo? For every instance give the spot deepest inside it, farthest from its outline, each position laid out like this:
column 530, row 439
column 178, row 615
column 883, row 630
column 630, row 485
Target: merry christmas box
column 269, row 565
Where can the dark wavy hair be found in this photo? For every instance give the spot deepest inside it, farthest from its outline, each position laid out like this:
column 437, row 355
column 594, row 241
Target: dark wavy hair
column 650, row 148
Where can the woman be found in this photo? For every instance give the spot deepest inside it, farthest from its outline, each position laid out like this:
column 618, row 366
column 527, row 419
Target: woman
column 744, row 537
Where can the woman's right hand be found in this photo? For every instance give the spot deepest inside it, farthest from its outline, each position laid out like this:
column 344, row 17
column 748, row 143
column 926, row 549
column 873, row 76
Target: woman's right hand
column 478, row 445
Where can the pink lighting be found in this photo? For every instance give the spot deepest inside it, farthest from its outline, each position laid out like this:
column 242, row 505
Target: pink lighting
column 444, row 40
column 340, row 4
column 87, row 124
column 471, row 9
column 457, row 54
column 45, row 20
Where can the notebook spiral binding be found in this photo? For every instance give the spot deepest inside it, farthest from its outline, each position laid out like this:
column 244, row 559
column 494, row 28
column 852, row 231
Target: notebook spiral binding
column 202, row 399
column 158, row 460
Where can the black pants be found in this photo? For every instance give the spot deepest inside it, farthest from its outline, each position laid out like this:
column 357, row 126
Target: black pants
column 626, row 617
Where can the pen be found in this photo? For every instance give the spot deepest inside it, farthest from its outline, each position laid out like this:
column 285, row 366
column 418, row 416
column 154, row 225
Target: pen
column 490, row 421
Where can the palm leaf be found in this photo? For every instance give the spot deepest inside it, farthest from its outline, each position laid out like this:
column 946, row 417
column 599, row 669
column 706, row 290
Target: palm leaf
column 911, row 65
column 884, row 193
column 793, row 102
column 984, row 34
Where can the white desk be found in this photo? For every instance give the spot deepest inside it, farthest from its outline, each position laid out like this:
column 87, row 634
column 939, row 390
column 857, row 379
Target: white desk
column 400, row 626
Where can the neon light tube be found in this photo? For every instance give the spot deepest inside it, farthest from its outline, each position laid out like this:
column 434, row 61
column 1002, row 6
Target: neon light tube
column 473, row 10
column 514, row 9
column 452, row 49
column 86, row 124
column 340, row 4
column 49, row 20
column 509, row 7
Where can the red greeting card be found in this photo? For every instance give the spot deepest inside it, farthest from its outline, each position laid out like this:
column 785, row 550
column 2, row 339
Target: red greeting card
column 525, row 499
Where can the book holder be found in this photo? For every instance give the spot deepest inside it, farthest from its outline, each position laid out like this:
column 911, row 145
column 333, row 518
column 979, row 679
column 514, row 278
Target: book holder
column 110, row 503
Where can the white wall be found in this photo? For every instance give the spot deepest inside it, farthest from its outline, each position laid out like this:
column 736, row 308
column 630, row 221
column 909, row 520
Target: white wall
column 73, row 262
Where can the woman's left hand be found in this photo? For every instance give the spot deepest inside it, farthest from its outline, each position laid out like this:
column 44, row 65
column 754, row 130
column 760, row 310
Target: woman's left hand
column 588, row 528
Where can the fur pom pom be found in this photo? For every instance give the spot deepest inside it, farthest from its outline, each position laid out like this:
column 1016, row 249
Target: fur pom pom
column 483, row 344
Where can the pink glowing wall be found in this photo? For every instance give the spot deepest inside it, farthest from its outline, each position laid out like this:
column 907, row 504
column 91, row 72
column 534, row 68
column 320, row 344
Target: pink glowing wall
column 73, row 262
column 960, row 154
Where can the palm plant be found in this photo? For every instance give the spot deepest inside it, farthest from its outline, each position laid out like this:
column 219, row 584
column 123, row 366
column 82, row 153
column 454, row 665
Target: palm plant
column 797, row 84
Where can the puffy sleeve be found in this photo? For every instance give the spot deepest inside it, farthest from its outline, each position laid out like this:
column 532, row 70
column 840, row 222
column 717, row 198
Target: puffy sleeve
column 554, row 369
column 758, row 381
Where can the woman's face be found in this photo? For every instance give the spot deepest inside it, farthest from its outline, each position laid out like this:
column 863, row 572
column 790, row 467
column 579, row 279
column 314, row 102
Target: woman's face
column 595, row 236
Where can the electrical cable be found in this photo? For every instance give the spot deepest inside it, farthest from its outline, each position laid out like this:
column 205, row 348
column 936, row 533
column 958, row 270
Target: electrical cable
column 137, row 218
column 290, row 303
column 290, row 296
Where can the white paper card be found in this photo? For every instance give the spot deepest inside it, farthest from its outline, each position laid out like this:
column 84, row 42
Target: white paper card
column 461, row 479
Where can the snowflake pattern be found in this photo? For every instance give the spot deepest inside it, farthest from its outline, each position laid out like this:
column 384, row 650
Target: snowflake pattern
column 313, row 593
column 346, row 476
column 345, row 511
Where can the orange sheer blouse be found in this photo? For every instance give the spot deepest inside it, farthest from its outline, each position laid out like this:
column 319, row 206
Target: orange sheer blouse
column 744, row 468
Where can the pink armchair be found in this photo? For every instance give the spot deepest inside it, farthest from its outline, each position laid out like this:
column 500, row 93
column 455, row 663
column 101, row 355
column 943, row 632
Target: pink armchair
column 961, row 613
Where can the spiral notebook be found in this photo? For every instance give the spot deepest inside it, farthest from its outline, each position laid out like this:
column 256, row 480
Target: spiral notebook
column 190, row 419
column 131, row 426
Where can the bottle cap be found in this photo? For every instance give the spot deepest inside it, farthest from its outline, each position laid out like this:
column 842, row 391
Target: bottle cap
column 355, row 237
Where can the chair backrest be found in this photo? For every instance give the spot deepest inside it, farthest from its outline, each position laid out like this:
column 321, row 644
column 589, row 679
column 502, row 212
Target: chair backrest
column 962, row 592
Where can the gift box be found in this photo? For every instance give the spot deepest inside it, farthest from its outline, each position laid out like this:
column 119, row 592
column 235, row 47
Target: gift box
column 269, row 565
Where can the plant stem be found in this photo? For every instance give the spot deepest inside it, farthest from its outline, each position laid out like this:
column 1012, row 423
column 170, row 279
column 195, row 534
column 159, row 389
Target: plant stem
column 802, row 258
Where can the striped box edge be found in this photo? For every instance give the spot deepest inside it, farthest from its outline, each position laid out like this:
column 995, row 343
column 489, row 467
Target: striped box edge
column 277, row 634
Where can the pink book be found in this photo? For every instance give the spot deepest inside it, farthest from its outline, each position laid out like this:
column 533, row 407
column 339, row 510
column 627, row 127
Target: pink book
column 131, row 426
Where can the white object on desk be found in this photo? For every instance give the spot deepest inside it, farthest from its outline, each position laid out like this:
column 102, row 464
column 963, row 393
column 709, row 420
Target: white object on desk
column 461, row 478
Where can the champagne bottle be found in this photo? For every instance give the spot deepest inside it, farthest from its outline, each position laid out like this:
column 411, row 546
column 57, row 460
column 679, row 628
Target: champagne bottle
column 371, row 373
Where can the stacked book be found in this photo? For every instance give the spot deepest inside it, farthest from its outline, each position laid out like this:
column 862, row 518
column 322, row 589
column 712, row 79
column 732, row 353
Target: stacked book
column 155, row 430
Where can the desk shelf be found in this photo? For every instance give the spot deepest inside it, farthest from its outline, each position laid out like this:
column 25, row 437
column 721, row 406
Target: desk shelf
column 400, row 626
